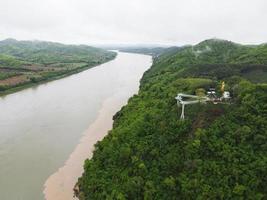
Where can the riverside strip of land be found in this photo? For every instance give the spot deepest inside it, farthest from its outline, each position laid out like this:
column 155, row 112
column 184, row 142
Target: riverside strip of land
column 27, row 63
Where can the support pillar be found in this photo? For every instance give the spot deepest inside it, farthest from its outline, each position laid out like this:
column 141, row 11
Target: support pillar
column 182, row 114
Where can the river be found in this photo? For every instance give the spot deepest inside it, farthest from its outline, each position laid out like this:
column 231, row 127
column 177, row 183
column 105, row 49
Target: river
column 45, row 129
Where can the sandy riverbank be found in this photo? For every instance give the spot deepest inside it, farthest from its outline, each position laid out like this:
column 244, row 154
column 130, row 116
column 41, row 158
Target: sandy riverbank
column 60, row 185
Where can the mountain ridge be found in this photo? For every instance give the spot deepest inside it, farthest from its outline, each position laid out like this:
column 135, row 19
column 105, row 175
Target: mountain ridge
column 217, row 152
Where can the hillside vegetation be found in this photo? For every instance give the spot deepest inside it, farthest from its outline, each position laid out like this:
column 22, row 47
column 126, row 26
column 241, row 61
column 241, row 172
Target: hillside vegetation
column 23, row 63
column 218, row 151
column 153, row 51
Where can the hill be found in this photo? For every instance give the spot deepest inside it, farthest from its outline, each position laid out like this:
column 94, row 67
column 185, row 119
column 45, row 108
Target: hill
column 23, row 63
column 153, row 51
column 217, row 152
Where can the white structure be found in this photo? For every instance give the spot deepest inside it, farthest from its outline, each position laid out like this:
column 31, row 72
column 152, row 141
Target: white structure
column 211, row 93
column 211, row 96
column 182, row 102
column 226, row 95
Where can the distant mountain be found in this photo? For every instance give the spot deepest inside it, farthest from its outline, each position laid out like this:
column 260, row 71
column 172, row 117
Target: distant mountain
column 49, row 52
column 216, row 54
column 8, row 41
column 25, row 62
column 153, row 51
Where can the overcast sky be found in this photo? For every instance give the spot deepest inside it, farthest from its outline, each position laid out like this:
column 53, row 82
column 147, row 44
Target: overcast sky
column 174, row 22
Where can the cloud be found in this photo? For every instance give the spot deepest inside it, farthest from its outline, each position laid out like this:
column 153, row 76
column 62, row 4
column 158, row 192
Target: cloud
column 139, row 21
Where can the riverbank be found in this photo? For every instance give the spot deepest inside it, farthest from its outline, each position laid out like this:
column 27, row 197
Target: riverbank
column 53, row 78
column 42, row 126
column 60, row 184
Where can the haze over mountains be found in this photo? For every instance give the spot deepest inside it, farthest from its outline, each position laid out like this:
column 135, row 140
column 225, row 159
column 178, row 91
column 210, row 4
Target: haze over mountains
column 171, row 22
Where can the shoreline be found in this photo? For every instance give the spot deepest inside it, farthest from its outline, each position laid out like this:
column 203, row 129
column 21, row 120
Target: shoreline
column 60, row 185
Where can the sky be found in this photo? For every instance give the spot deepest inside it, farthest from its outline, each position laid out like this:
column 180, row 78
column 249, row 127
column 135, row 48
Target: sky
column 168, row 22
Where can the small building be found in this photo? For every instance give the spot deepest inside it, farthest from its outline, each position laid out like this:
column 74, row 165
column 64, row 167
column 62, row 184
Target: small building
column 226, row 95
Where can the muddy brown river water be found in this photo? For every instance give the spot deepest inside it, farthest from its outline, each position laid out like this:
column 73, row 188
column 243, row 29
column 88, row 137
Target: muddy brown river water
column 47, row 131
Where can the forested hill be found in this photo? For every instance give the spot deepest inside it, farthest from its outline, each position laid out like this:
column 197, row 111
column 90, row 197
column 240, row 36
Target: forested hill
column 218, row 152
column 23, row 63
column 153, row 51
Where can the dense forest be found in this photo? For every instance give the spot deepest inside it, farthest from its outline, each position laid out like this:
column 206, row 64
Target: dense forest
column 24, row 63
column 218, row 152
